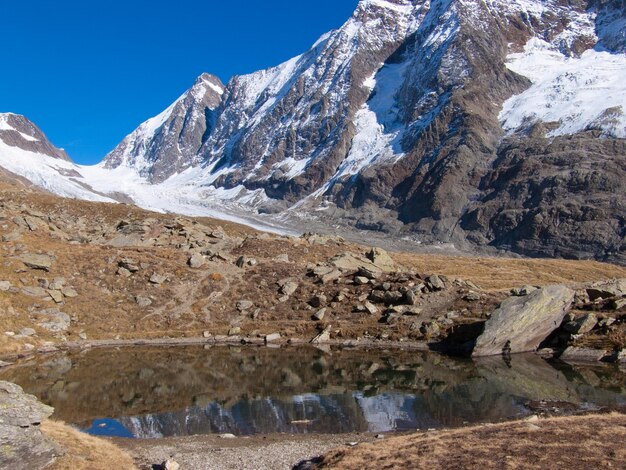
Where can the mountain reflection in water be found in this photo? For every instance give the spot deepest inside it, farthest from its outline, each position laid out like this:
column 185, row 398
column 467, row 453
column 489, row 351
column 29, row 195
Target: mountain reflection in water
column 154, row 392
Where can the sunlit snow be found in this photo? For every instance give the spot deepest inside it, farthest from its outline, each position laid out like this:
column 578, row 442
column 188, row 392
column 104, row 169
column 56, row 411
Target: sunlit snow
column 577, row 93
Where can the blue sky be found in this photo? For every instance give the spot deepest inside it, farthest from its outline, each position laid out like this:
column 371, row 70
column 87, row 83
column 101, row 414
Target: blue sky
column 88, row 72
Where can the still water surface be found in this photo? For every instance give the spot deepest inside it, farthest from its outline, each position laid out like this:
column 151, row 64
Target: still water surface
column 156, row 392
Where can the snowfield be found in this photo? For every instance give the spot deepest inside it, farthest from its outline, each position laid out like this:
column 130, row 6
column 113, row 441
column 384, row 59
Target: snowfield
column 578, row 93
column 181, row 194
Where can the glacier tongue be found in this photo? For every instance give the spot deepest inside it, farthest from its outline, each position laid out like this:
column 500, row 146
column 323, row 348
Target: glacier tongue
column 53, row 174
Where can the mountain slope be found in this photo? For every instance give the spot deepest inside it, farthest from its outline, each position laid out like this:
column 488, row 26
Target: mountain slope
column 18, row 132
column 27, row 153
column 167, row 143
column 464, row 121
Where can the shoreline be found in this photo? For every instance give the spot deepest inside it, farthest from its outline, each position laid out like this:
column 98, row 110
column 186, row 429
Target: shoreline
column 261, row 451
column 224, row 340
column 274, row 451
column 217, row 341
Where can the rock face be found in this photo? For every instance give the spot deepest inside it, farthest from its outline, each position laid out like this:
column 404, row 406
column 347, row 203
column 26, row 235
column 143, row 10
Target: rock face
column 520, row 324
column 168, row 143
column 22, row 443
column 18, row 132
column 389, row 120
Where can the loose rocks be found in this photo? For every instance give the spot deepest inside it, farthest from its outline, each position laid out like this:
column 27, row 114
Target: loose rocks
column 196, row 261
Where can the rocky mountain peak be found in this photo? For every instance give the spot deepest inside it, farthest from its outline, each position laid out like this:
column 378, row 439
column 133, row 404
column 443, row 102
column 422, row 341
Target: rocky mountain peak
column 208, row 88
column 19, row 132
column 167, row 144
column 365, row 8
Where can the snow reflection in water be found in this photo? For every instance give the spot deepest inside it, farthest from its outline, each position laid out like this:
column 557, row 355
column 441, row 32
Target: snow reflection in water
column 155, row 392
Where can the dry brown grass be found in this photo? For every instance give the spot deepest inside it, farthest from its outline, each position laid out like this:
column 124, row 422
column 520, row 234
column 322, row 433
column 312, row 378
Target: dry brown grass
column 618, row 337
column 573, row 443
column 505, row 273
column 194, row 301
column 84, row 452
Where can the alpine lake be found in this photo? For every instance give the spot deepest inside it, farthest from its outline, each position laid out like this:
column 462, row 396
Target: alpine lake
column 149, row 392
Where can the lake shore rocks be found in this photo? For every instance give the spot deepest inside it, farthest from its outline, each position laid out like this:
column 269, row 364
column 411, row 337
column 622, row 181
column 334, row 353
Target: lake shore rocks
column 520, row 324
column 293, row 286
column 23, row 445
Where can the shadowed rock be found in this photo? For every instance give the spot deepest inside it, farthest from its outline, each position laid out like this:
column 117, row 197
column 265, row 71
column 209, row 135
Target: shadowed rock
column 607, row 289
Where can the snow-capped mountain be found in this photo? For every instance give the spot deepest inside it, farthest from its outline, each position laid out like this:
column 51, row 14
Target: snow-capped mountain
column 168, row 143
column 19, row 133
column 26, row 152
column 467, row 121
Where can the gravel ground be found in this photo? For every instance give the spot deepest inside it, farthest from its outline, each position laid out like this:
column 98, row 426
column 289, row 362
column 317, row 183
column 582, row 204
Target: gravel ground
column 272, row 452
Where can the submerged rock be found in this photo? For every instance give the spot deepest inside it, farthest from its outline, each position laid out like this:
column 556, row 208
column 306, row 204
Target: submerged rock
column 581, row 355
column 520, row 324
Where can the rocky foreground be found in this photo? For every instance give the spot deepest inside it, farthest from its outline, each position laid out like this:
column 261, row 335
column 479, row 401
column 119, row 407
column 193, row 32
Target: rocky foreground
column 29, row 441
column 80, row 274
column 580, row 442
column 22, row 442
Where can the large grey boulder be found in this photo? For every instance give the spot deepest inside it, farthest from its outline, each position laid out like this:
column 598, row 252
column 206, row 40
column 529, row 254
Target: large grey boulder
column 520, row 324
column 23, row 446
column 381, row 259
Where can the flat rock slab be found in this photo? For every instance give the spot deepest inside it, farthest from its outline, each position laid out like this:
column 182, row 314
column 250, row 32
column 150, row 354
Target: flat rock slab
column 23, row 445
column 36, row 261
column 520, row 324
column 582, row 355
column 352, row 262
